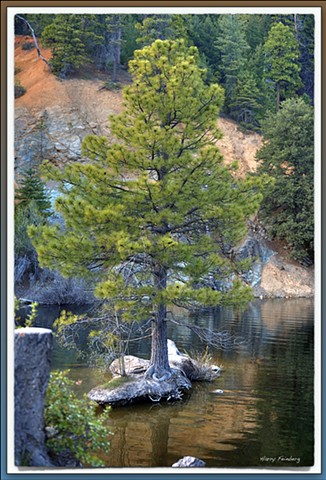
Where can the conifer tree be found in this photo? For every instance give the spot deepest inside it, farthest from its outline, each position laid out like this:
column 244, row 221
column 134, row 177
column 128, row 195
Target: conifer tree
column 32, row 189
column 32, row 207
column 233, row 49
column 202, row 30
column 283, row 54
column 161, row 27
column 288, row 156
column 256, row 28
column 68, row 37
column 244, row 104
column 155, row 215
column 305, row 36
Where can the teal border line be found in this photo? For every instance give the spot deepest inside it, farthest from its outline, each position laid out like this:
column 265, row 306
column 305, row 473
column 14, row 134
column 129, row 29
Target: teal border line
column 3, row 351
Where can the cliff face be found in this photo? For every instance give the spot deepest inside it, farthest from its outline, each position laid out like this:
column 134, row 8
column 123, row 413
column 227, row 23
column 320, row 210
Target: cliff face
column 53, row 117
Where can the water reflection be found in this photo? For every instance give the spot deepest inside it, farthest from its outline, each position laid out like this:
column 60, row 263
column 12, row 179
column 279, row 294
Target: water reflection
column 266, row 410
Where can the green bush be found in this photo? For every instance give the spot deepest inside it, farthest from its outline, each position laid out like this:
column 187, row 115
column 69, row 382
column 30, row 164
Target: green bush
column 112, row 86
column 76, row 427
column 28, row 46
column 19, row 89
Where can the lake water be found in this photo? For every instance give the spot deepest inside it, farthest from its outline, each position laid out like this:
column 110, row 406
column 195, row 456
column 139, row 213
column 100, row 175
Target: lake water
column 265, row 417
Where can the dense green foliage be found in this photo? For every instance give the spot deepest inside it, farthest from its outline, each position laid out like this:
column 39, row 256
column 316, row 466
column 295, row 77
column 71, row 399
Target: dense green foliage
column 161, row 27
column 276, row 50
column 158, row 205
column 288, row 155
column 232, row 50
column 32, row 207
column 282, row 50
column 32, row 189
column 75, row 427
column 68, row 39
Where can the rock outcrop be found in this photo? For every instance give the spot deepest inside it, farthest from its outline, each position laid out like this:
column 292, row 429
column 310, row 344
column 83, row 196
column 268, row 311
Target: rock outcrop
column 32, row 373
column 135, row 386
column 135, row 389
column 177, row 360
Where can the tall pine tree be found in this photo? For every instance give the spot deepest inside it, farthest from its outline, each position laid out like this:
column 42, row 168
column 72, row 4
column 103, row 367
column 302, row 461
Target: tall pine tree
column 232, row 46
column 282, row 50
column 65, row 37
column 154, row 216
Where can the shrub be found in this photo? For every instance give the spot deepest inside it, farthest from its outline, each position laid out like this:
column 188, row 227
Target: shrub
column 28, row 46
column 19, row 89
column 112, row 86
column 74, row 425
column 205, row 370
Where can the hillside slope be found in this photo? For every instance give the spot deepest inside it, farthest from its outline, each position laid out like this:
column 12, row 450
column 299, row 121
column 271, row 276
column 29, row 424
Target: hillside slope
column 54, row 115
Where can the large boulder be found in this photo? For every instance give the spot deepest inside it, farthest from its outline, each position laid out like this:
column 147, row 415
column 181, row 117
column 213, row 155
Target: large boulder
column 133, row 365
column 32, row 373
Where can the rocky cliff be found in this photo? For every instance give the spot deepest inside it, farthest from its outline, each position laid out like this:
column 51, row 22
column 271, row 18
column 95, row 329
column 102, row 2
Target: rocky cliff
column 53, row 117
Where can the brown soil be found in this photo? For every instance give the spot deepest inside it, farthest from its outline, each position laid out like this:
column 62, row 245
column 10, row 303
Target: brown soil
column 236, row 145
column 45, row 90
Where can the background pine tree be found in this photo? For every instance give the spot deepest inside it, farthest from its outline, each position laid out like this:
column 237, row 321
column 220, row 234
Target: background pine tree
column 282, row 50
column 288, row 156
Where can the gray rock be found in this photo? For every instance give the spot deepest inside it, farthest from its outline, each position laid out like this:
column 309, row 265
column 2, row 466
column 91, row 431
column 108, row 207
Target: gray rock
column 32, row 373
column 133, row 365
column 189, row 462
column 177, row 360
column 127, row 390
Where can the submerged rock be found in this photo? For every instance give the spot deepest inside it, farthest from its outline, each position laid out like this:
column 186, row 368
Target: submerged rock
column 189, row 462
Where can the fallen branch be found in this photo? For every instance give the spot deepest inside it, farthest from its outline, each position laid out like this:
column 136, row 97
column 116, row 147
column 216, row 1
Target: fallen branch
column 35, row 41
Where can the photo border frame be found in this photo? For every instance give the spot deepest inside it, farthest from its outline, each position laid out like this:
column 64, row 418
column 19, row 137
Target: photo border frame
column 6, row 307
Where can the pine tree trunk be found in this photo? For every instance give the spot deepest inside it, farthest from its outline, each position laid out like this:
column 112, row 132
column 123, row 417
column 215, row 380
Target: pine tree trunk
column 278, row 96
column 116, row 51
column 159, row 354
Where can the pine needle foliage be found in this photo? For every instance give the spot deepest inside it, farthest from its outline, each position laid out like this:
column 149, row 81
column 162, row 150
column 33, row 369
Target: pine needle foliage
column 32, row 189
column 155, row 215
column 282, row 50
column 288, row 156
